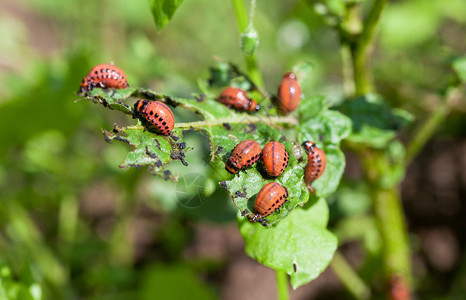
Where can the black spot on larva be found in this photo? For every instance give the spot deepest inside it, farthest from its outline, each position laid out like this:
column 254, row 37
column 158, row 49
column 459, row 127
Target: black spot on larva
column 164, row 123
column 96, row 72
column 156, row 115
column 102, row 70
column 160, row 119
column 151, row 113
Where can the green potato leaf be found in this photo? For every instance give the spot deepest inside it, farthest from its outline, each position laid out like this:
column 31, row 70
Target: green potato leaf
column 300, row 245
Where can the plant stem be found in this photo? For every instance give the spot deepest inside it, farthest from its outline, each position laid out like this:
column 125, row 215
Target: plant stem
column 250, row 60
column 243, row 120
column 389, row 216
column 386, row 200
column 282, row 285
column 350, row 279
column 427, row 129
column 363, row 82
column 392, row 225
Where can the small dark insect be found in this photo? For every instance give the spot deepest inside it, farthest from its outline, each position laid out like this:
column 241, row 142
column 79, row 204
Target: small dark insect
column 157, row 144
column 174, row 137
column 224, row 185
column 151, row 154
column 166, row 174
column 289, row 93
column 201, row 98
column 274, row 159
column 270, row 198
column 245, row 154
column 252, row 128
column 155, row 114
column 187, row 130
column 158, row 163
column 241, row 194
column 104, row 76
column 227, row 126
column 181, row 146
column 219, row 149
column 237, row 99
column 316, row 163
column 180, row 156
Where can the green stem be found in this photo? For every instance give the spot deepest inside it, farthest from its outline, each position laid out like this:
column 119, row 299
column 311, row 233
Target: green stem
column 350, row 279
column 389, row 216
column 428, row 128
column 290, row 121
column 282, row 285
column 376, row 163
column 363, row 82
column 348, row 80
column 250, row 60
column 392, row 224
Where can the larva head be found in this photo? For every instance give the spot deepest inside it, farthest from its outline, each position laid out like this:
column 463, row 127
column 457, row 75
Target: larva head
column 253, row 106
column 230, row 168
column 139, row 105
column 309, row 146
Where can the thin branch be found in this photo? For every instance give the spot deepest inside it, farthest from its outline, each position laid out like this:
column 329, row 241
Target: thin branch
column 362, row 79
column 350, row 279
column 250, row 60
column 430, row 125
column 272, row 121
column 282, row 285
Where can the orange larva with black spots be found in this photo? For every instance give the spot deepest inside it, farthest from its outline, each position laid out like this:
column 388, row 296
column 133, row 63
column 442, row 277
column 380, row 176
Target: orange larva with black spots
column 243, row 155
column 104, row 76
column 274, row 159
column 289, row 93
column 155, row 114
column 317, row 161
column 236, row 98
column 269, row 199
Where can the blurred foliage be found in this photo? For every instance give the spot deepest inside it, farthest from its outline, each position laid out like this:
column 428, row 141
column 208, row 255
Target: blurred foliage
column 67, row 211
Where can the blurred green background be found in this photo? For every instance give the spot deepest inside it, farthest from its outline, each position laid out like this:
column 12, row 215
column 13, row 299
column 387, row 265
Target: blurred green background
column 75, row 226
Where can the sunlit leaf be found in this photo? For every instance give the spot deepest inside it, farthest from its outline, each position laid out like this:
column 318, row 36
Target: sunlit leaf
column 300, row 245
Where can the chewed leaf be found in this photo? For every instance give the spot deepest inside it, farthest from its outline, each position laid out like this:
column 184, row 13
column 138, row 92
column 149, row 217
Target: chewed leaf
column 300, row 245
column 150, row 150
column 247, row 183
